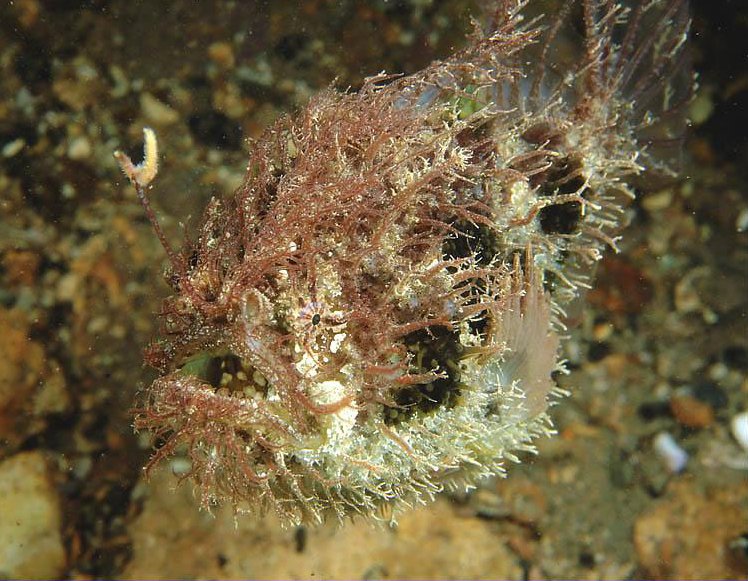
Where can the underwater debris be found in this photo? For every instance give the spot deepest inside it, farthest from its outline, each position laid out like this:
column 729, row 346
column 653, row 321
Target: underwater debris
column 374, row 315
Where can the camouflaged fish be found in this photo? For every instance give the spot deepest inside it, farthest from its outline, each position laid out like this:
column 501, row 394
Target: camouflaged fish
column 374, row 315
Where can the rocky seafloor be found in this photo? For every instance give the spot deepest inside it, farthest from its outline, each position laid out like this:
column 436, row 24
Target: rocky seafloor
column 662, row 347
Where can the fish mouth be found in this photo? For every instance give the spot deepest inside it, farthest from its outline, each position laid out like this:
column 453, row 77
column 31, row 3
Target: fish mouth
column 227, row 373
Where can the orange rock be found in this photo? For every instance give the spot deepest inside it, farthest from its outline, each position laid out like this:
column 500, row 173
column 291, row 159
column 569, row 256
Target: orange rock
column 21, row 267
column 222, row 54
column 579, row 429
column 21, row 368
column 428, row 543
column 690, row 412
column 622, row 288
column 687, row 534
column 616, row 364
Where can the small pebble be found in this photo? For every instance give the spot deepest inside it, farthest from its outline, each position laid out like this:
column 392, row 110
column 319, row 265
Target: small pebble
column 222, row 54
column 180, row 465
column 13, row 147
column 31, row 545
column 603, row 331
column 121, row 84
column 156, row 111
column 259, row 378
column 739, row 426
column 28, row 12
column 686, row 297
column 657, row 201
column 67, row 287
column 674, row 457
column 81, row 467
column 79, row 148
column 702, row 106
column 741, row 222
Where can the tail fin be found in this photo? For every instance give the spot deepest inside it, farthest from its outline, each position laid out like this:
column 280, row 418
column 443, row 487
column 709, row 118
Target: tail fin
column 625, row 61
column 602, row 99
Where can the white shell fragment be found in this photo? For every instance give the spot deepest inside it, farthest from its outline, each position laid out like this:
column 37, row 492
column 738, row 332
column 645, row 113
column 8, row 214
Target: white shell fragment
column 674, row 457
column 739, row 426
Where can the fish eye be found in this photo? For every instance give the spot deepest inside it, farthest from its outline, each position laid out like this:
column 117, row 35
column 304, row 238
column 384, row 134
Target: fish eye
column 316, row 319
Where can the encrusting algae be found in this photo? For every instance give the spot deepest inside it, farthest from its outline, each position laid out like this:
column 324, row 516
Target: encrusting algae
column 374, row 315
